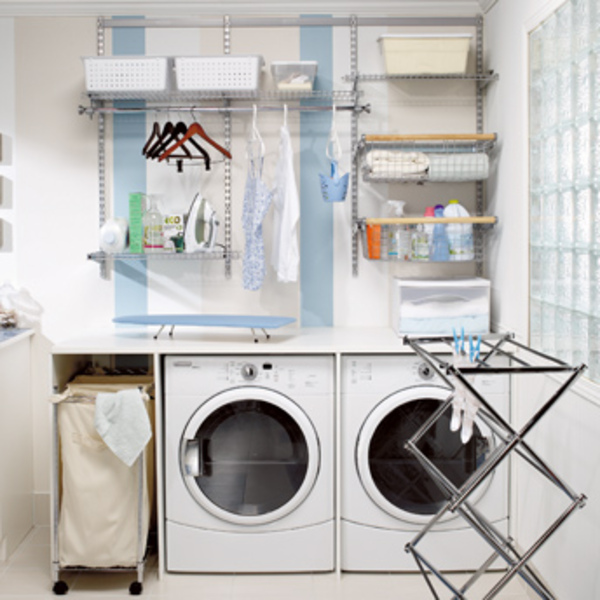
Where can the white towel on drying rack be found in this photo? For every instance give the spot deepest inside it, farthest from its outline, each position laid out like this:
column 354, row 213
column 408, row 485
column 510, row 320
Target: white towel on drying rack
column 122, row 421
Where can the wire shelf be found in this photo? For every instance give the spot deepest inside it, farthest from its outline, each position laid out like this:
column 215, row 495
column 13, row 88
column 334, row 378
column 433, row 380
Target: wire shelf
column 406, row 239
column 425, row 158
column 200, row 96
column 216, row 254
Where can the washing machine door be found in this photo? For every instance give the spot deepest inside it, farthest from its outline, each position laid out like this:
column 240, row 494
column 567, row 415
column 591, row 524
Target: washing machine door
column 249, row 455
column 392, row 476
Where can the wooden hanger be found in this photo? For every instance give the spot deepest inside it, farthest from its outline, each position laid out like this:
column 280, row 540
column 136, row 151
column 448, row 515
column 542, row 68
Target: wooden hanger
column 155, row 133
column 166, row 131
column 194, row 129
column 178, row 131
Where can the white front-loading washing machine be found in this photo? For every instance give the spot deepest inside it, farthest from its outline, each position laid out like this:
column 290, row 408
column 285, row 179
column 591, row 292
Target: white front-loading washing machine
column 249, row 463
column 386, row 496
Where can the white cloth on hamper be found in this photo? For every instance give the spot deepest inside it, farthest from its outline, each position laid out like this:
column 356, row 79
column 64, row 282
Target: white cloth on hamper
column 122, row 421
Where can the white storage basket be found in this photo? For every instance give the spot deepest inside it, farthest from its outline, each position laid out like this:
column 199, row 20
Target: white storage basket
column 236, row 73
column 415, row 54
column 126, row 74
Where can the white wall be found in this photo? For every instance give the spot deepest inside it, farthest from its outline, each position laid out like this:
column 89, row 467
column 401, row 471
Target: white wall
column 567, row 436
column 57, row 182
column 7, row 131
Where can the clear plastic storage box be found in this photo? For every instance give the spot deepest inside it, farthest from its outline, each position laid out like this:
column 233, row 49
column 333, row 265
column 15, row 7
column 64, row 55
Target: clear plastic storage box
column 126, row 73
column 425, row 54
column 294, row 75
column 228, row 73
column 437, row 306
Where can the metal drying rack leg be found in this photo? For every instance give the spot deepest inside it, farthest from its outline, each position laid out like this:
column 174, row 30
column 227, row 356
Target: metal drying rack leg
column 509, row 440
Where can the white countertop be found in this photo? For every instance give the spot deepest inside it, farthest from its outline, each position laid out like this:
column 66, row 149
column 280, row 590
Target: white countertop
column 8, row 337
column 309, row 340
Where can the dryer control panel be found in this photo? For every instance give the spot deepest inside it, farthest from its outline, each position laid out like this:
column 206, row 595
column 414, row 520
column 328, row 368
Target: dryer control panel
column 299, row 374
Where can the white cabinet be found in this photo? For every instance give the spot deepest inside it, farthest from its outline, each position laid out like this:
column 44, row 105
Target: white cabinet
column 16, row 443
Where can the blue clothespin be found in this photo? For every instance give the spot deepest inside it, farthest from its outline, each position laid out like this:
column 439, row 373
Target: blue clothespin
column 462, row 340
column 474, row 348
column 456, row 345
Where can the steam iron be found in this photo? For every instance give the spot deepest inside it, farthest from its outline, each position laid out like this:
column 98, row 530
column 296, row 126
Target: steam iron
column 201, row 226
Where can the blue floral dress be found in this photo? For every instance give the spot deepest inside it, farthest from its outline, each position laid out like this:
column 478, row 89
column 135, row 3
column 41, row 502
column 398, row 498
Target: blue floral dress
column 257, row 200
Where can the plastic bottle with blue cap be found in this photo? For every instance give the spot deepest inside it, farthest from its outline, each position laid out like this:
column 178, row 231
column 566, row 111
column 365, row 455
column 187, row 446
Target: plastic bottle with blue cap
column 440, row 249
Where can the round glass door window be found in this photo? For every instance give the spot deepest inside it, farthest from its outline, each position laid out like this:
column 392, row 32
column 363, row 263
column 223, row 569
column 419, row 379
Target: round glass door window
column 251, row 460
column 394, row 478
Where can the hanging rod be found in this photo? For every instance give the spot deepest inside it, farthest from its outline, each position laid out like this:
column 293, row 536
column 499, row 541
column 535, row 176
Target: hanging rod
column 290, row 22
column 90, row 110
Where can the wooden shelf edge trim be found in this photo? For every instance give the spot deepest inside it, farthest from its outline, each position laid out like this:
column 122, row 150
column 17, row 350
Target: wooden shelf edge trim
column 432, row 137
column 482, row 220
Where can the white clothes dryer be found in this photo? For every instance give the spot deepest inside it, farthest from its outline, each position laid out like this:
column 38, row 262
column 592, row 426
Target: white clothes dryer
column 249, row 467
column 386, row 496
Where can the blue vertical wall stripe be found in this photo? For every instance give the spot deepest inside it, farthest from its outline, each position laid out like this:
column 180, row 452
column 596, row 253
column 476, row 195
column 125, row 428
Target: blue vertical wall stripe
column 316, row 220
column 129, row 175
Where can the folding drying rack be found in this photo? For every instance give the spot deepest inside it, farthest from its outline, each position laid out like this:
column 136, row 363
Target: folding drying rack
column 522, row 360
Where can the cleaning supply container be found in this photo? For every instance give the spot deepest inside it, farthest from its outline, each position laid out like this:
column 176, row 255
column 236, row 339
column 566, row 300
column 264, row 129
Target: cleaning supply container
column 440, row 248
column 460, row 235
column 398, row 246
column 113, row 235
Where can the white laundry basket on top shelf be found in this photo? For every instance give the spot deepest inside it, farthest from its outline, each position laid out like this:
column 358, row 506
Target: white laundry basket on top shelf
column 126, row 74
column 227, row 74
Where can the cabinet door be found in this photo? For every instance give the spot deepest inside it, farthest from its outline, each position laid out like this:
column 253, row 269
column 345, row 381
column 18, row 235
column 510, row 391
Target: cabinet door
column 16, row 446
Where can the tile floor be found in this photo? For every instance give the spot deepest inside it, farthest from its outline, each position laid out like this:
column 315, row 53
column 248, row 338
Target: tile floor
column 26, row 576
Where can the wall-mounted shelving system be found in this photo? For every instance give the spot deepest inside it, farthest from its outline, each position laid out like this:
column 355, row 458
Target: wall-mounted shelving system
column 101, row 104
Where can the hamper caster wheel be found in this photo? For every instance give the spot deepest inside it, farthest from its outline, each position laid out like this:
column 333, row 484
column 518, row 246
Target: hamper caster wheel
column 135, row 589
column 60, row 588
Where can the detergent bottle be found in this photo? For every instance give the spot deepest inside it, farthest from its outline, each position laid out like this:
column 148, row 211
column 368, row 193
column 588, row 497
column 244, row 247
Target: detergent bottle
column 460, row 235
column 428, row 227
column 440, row 249
column 152, row 222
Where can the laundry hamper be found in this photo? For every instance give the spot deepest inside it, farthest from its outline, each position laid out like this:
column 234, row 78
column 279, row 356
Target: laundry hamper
column 102, row 507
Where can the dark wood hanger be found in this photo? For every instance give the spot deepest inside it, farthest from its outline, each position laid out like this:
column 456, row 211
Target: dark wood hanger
column 194, row 129
column 157, row 148
column 155, row 133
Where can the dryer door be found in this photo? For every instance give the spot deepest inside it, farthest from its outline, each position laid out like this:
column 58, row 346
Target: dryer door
column 392, row 476
column 249, row 455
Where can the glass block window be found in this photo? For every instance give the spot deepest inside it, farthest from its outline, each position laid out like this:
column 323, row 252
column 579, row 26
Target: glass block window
column 564, row 198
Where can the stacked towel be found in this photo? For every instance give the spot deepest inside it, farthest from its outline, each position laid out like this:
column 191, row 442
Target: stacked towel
column 396, row 164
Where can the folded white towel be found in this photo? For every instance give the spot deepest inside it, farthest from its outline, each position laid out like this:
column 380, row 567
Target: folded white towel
column 122, row 421
column 408, row 160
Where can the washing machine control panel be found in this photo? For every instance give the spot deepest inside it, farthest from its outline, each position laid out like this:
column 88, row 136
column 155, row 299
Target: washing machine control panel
column 289, row 374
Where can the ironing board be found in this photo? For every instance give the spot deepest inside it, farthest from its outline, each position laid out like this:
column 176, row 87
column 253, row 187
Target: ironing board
column 251, row 322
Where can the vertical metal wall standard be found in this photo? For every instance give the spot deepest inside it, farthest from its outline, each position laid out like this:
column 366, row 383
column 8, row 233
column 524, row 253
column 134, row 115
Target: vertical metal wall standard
column 101, row 149
column 354, row 139
column 227, row 165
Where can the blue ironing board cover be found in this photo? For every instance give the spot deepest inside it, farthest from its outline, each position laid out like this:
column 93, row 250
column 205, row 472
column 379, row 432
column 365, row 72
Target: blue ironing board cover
column 250, row 321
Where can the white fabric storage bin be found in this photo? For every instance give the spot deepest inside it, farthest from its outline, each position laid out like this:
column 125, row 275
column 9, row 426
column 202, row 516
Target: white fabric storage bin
column 437, row 306
column 126, row 73
column 425, row 54
column 228, row 73
column 99, row 494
